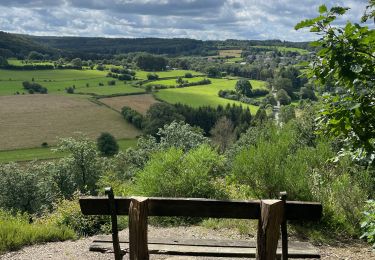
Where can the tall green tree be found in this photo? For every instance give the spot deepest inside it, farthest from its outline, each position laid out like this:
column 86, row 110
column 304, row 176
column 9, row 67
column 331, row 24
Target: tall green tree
column 347, row 56
column 243, row 87
column 107, row 144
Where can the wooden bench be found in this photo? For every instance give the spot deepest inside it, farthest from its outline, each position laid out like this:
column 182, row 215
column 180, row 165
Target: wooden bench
column 272, row 214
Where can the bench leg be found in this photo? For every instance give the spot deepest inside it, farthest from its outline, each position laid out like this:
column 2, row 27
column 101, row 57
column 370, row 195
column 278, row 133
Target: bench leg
column 138, row 213
column 269, row 229
column 115, row 239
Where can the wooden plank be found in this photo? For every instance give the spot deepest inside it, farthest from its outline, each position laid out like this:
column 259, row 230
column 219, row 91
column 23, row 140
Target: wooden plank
column 115, row 238
column 269, row 229
column 186, row 250
column 200, row 208
column 203, row 242
column 284, row 228
column 138, row 211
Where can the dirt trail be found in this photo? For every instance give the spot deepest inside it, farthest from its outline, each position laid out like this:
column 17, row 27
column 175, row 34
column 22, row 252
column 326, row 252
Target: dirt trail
column 78, row 250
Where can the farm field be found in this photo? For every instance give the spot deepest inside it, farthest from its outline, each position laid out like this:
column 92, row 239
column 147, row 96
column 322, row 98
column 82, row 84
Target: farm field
column 205, row 95
column 16, row 62
column 29, row 120
column 140, row 74
column 140, row 103
column 39, row 153
column 172, row 82
column 235, row 53
column 284, row 49
column 85, row 81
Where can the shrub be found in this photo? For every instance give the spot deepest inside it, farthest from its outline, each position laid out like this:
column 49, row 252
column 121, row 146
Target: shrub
column 69, row 90
column 125, row 77
column 152, row 76
column 16, row 232
column 111, row 82
column 67, row 213
column 26, row 189
column 171, row 173
column 283, row 97
column 368, row 223
column 188, row 75
column 133, row 117
column 107, row 144
column 34, row 87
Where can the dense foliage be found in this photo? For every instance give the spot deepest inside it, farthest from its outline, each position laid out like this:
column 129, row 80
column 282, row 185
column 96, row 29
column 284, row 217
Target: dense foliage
column 346, row 57
column 107, row 144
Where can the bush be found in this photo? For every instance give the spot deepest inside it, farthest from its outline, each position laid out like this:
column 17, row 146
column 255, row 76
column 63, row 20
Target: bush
column 69, row 90
column 171, row 173
column 27, row 188
column 368, row 223
column 283, row 97
column 188, row 75
column 34, row 87
column 16, row 232
column 107, row 144
column 67, row 213
column 152, row 76
column 133, row 117
column 111, row 82
column 125, row 77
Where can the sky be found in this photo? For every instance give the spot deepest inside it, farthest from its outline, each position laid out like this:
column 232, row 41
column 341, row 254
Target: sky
column 196, row 19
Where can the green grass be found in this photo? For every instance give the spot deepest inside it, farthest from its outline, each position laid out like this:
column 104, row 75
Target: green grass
column 172, row 82
column 85, row 81
column 29, row 154
column 40, row 153
column 140, row 74
column 284, row 49
column 233, row 60
column 206, row 95
column 16, row 232
column 16, row 62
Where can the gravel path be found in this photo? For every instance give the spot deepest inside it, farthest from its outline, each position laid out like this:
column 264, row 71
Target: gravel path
column 78, row 250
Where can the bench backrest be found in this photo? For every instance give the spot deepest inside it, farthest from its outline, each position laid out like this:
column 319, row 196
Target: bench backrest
column 206, row 208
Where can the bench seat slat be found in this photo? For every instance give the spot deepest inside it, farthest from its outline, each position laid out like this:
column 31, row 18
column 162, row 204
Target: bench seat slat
column 207, row 247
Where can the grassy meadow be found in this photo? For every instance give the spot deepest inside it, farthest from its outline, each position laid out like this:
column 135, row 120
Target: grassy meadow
column 140, row 74
column 284, row 49
column 205, row 95
column 47, row 153
column 29, row 120
column 172, row 82
column 85, row 81
column 140, row 103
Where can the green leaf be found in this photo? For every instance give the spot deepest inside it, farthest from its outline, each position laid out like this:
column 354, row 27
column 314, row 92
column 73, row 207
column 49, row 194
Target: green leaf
column 322, row 9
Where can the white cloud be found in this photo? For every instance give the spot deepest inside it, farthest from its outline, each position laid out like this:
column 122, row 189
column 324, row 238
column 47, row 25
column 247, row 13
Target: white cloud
column 200, row 19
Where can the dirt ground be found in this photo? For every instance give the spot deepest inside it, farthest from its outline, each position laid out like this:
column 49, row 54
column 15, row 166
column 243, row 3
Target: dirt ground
column 29, row 120
column 78, row 250
column 140, row 103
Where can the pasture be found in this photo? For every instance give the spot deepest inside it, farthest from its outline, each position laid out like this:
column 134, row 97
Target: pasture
column 284, row 49
column 29, row 120
column 234, row 53
column 172, row 82
column 40, row 153
column 140, row 103
column 206, row 95
column 85, row 81
column 140, row 74
column 16, row 62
